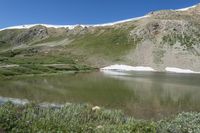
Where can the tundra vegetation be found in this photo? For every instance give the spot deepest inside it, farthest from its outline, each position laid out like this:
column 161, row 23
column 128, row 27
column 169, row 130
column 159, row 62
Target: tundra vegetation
column 44, row 50
column 88, row 119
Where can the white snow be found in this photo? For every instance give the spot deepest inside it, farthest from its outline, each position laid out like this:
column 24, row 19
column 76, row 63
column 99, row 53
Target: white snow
column 179, row 70
column 127, row 68
column 120, row 69
column 119, row 22
column 187, row 8
column 73, row 26
column 46, row 25
column 87, row 25
column 111, row 72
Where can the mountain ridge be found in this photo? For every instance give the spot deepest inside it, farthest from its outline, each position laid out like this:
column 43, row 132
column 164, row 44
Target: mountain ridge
column 26, row 26
column 166, row 38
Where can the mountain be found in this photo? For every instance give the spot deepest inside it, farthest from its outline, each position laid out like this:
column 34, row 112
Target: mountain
column 166, row 38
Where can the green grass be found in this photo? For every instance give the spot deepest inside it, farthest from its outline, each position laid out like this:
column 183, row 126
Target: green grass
column 50, row 39
column 10, row 53
column 4, row 45
column 7, row 36
column 32, row 69
column 183, row 39
column 25, row 69
column 109, row 42
column 40, row 63
column 71, row 118
column 39, row 60
column 106, row 44
column 78, row 118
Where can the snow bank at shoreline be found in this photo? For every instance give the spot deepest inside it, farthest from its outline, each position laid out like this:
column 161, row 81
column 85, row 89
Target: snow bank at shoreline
column 127, row 68
column 179, row 70
column 117, row 67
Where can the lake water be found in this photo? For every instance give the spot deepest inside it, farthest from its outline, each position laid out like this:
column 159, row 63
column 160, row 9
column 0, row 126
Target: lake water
column 147, row 95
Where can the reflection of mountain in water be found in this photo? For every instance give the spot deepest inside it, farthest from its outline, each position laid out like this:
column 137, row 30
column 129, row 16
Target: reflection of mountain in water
column 144, row 95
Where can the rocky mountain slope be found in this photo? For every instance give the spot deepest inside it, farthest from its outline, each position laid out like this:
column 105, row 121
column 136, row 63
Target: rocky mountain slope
column 162, row 38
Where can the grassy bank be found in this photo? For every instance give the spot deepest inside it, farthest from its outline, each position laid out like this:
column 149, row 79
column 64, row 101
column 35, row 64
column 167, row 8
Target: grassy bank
column 40, row 64
column 84, row 118
column 36, row 69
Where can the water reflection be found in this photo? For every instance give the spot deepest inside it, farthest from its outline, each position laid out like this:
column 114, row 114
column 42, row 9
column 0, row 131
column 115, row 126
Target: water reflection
column 143, row 95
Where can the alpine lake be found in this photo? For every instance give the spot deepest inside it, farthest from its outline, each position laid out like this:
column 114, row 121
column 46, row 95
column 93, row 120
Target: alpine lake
column 144, row 95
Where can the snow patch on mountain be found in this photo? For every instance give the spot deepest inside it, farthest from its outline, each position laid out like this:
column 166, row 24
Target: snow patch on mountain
column 46, row 25
column 119, row 22
column 187, row 8
column 73, row 26
column 87, row 25
column 127, row 68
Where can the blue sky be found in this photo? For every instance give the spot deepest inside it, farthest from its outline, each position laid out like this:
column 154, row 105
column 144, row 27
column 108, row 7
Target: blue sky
column 17, row 12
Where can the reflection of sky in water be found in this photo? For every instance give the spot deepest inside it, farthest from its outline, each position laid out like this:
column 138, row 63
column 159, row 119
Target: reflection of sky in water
column 114, row 73
column 142, row 94
column 161, row 77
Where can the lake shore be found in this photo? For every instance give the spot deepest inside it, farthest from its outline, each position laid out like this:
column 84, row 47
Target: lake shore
column 122, row 67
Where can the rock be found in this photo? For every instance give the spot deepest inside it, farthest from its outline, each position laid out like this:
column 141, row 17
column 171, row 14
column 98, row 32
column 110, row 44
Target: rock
column 100, row 126
column 96, row 108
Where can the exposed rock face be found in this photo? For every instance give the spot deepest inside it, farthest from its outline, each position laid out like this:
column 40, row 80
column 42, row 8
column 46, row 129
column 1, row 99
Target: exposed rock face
column 38, row 32
column 195, row 10
column 170, row 38
column 16, row 37
column 165, row 38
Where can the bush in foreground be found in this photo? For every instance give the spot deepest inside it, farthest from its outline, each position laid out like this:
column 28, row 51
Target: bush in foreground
column 75, row 118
